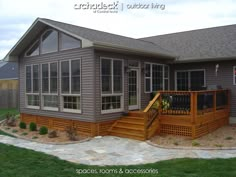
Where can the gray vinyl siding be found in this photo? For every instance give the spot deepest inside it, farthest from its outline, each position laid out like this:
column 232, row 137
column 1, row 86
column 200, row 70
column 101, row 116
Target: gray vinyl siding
column 87, row 82
column 223, row 78
column 145, row 97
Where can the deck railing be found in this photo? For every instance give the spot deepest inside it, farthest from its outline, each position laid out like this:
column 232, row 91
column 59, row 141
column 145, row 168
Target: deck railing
column 193, row 102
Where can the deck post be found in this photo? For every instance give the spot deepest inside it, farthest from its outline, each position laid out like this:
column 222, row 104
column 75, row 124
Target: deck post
column 214, row 103
column 193, row 107
column 145, row 125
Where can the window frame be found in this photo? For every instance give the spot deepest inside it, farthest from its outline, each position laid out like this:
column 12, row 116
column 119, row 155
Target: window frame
column 112, row 85
column 32, row 92
column 49, row 93
column 151, row 77
column 41, row 42
column 60, row 41
column 189, row 78
column 234, row 75
column 31, row 46
column 70, row 93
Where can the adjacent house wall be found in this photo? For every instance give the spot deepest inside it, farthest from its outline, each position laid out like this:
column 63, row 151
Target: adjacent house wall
column 87, row 83
column 224, row 77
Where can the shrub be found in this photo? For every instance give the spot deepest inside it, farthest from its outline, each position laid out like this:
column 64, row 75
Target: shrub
column 43, row 130
column 33, row 126
column 34, row 137
column 22, row 125
column 10, row 120
column 195, row 143
column 229, row 138
column 14, row 131
column 24, row 133
column 71, row 133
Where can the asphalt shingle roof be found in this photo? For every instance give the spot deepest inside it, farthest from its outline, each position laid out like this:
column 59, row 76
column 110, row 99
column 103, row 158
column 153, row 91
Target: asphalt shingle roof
column 217, row 42
column 8, row 70
column 107, row 38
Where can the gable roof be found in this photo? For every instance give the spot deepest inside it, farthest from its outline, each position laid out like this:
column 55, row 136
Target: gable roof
column 91, row 37
column 8, row 70
column 198, row 45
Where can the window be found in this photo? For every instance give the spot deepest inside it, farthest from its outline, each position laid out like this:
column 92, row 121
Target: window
column 156, row 77
column 49, row 41
column 234, row 75
column 70, row 85
column 112, row 85
column 49, row 86
column 34, row 50
column 68, row 42
column 32, row 86
column 190, row 80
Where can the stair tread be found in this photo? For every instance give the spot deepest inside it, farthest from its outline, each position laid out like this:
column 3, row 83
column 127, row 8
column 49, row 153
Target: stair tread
column 128, row 127
column 130, row 122
column 126, row 133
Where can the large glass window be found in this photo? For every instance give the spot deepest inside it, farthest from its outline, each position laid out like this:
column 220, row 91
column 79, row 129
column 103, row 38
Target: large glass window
column 68, row 42
column 234, row 75
column 156, row 77
column 49, row 41
column 49, row 86
column 32, row 86
column 190, row 80
column 70, row 85
column 112, row 84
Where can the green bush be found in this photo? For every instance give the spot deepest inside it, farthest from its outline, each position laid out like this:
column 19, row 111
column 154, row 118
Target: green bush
column 22, row 125
column 43, row 130
column 33, row 126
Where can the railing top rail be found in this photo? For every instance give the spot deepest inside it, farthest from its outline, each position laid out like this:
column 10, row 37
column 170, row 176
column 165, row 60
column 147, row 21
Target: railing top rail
column 151, row 102
column 189, row 92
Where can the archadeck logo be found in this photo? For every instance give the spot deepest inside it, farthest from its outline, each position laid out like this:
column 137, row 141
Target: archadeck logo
column 116, row 6
column 98, row 7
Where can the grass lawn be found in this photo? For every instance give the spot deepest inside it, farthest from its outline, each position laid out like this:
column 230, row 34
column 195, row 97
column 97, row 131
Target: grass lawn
column 3, row 112
column 18, row 162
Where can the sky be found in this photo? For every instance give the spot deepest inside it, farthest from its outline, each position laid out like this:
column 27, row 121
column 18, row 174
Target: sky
column 132, row 18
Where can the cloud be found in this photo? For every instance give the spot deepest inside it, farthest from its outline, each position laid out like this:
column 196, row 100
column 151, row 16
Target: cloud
column 181, row 15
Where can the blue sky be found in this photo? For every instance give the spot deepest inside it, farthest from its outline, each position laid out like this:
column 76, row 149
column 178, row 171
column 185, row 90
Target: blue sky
column 17, row 16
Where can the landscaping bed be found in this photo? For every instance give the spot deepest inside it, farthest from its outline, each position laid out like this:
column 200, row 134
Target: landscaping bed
column 37, row 134
column 224, row 137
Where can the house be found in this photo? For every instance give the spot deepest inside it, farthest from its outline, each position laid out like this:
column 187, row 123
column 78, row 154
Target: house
column 8, row 84
column 96, row 81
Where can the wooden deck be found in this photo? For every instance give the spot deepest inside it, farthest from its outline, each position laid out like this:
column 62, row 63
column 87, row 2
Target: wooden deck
column 191, row 113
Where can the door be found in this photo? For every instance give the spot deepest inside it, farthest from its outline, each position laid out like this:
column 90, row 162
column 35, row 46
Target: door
column 133, row 89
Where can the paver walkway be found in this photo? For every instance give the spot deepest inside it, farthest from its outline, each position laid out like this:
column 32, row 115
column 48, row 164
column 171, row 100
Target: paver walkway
column 111, row 150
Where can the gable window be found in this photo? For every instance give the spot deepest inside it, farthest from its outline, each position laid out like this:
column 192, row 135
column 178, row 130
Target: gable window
column 112, row 84
column 34, row 50
column 234, row 75
column 68, row 42
column 49, row 41
column 156, row 77
column 70, row 85
column 32, row 86
column 49, row 86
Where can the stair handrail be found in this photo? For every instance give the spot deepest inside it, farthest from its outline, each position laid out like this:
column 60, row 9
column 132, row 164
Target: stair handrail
column 152, row 110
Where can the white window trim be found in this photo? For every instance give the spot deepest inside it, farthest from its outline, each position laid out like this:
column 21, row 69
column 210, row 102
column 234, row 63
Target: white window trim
column 112, row 91
column 70, row 94
column 204, row 70
column 234, row 75
column 49, row 87
column 31, row 92
column 163, row 79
